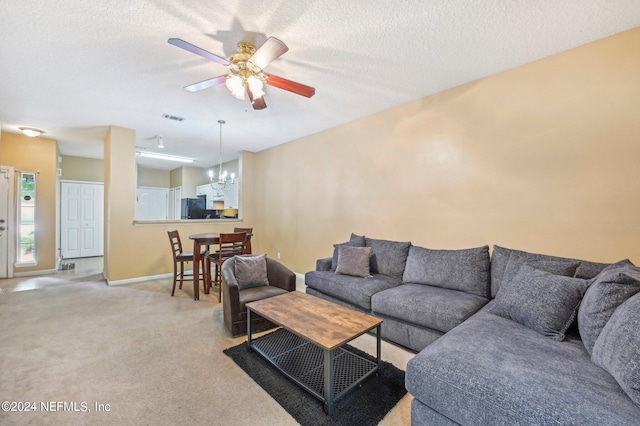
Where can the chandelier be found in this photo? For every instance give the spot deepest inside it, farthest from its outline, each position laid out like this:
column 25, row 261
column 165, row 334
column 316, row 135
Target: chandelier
column 222, row 182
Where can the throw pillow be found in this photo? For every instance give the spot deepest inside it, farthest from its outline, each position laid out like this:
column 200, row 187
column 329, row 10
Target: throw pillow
column 388, row 257
column 464, row 270
column 617, row 348
column 608, row 290
column 566, row 268
column 354, row 241
column 251, row 271
column 540, row 300
column 353, row 261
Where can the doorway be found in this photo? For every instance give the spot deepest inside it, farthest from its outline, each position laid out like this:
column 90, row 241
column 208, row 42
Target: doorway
column 7, row 249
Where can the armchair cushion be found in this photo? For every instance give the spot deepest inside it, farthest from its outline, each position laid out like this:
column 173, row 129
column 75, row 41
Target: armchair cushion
column 251, row 271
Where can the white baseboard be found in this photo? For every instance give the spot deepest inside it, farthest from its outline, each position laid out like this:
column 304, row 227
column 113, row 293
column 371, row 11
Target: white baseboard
column 139, row 279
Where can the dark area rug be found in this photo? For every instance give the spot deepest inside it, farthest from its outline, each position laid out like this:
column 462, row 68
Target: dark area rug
column 363, row 406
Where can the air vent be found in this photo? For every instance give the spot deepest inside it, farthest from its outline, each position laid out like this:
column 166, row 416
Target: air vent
column 172, row 117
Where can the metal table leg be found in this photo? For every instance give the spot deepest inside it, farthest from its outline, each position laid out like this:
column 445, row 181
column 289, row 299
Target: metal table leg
column 328, row 382
column 249, row 339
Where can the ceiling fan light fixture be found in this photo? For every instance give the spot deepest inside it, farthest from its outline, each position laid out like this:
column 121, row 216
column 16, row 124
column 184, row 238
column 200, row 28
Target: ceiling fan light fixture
column 31, row 132
column 255, row 85
column 236, row 86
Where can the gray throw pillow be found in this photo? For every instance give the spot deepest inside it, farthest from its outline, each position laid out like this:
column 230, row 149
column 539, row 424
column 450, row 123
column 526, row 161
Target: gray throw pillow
column 354, row 261
column 354, row 241
column 617, row 349
column 608, row 290
column 464, row 270
column 566, row 268
column 540, row 300
column 251, row 271
column 388, row 257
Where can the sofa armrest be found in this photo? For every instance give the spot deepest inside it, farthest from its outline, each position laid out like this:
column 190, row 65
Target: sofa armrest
column 230, row 290
column 324, row 264
column 280, row 276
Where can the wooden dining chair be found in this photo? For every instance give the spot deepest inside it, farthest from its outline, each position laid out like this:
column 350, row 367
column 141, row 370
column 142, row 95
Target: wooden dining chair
column 229, row 245
column 247, row 245
column 181, row 257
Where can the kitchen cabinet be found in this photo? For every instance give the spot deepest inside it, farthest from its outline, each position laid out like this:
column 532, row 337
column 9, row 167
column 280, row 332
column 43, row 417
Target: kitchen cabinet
column 231, row 196
column 211, row 194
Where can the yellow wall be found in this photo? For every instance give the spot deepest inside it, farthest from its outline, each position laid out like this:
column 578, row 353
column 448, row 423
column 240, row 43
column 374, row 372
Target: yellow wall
column 82, row 169
column 154, row 178
column 542, row 158
column 36, row 155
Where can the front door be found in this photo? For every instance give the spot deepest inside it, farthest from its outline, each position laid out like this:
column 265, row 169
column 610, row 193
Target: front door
column 6, row 222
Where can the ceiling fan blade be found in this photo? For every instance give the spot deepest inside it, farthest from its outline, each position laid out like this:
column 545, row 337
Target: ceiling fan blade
column 198, row 51
column 291, row 86
column 271, row 50
column 205, row 84
column 256, row 103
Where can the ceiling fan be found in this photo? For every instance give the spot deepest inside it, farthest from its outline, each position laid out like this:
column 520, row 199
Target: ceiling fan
column 246, row 71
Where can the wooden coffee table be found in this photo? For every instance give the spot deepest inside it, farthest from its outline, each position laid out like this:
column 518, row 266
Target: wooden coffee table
column 308, row 348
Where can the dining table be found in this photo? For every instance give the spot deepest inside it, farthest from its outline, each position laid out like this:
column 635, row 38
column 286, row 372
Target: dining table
column 199, row 240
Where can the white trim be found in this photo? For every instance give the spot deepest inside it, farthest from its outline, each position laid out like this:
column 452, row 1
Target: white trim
column 139, row 279
column 300, row 285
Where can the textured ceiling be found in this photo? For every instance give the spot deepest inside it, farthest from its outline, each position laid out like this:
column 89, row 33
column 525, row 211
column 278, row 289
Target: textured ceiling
column 74, row 67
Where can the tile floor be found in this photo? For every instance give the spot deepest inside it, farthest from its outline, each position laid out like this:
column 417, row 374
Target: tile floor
column 84, row 267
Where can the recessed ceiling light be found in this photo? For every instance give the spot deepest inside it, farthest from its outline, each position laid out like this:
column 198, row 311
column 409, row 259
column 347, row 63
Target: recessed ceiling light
column 31, row 132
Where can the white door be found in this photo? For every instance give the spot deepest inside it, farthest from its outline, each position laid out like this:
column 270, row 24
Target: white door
column 81, row 219
column 70, row 219
column 7, row 250
column 152, row 203
column 91, row 217
column 174, row 202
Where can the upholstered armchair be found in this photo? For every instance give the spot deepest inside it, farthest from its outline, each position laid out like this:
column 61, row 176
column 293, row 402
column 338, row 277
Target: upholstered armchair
column 235, row 297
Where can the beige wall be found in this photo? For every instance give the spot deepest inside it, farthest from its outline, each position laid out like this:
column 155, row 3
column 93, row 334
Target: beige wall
column 82, row 169
column 154, row 178
column 542, row 158
column 36, row 155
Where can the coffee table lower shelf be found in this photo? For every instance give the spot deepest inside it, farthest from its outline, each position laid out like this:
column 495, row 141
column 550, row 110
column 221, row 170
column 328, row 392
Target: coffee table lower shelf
column 305, row 363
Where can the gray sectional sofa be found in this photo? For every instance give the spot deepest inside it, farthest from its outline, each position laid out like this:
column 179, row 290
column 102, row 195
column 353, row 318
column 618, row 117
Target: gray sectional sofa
column 515, row 338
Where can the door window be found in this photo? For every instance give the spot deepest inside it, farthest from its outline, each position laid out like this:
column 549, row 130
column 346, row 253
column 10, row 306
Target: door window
column 26, row 219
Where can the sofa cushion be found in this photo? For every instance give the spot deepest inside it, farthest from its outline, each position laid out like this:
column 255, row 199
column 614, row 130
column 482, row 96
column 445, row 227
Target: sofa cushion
column 564, row 267
column 354, row 261
column 355, row 290
column 354, row 241
column 490, row 370
column 388, row 257
column 540, row 300
column 465, row 270
column 502, row 256
column 251, row 271
column 432, row 307
column 608, row 290
column 617, row 349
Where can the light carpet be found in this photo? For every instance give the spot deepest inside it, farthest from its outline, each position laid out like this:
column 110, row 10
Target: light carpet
column 142, row 356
